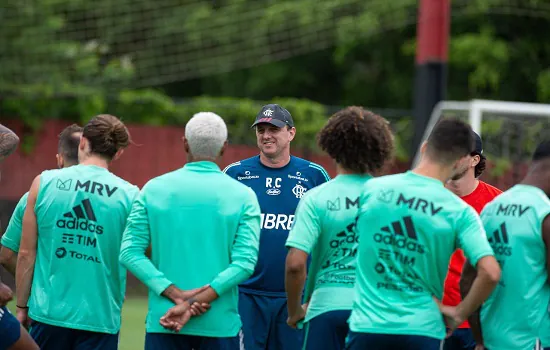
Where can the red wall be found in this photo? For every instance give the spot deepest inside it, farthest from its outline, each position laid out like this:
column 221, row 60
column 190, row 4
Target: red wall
column 158, row 150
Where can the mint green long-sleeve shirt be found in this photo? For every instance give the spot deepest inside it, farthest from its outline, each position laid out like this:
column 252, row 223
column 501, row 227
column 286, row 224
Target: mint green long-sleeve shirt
column 204, row 228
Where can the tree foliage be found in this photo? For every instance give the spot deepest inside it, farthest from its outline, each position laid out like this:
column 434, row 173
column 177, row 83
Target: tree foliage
column 336, row 52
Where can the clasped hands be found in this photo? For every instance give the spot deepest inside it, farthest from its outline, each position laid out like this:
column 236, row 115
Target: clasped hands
column 186, row 307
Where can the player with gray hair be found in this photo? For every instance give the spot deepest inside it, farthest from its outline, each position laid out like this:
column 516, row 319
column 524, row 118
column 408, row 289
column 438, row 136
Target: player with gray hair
column 204, row 231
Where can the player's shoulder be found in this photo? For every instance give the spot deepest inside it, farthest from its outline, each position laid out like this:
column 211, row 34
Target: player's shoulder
column 23, row 199
column 159, row 182
column 125, row 185
column 309, row 168
column 392, row 181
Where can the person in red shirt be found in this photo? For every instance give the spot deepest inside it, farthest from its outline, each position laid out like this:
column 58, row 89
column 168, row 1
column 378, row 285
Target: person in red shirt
column 477, row 194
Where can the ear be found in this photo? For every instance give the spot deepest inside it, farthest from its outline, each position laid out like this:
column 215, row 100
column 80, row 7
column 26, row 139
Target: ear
column 292, row 132
column 60, row 161
column 224, row 148
column 185, row 144
column 118, row 154
column 475, row 161
column 423, row 147
column 83, row 144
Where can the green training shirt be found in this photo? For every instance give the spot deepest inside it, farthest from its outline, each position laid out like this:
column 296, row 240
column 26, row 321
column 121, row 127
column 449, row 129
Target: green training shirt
column 78, row 281
column 517, row 310
column 12, row 237
column 203, row 227
column 409, row 226
column 325, row 228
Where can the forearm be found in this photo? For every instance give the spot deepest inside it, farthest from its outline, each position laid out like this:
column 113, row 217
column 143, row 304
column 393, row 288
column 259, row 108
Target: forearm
column 23, row 277
column 140, row 266
column 480, row 290
column 294, row 285
column 207, row 296
column 8, row 142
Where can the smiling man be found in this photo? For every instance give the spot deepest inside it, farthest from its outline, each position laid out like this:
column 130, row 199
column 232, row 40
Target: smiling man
column 279, row 181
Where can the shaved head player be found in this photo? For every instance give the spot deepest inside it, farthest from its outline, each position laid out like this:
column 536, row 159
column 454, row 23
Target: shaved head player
column 409, row 226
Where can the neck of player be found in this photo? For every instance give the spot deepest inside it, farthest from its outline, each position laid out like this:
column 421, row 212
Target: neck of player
column 340, row 170
column 433, row 170
column 95, row 160
column 537, row 176
column 278, row 161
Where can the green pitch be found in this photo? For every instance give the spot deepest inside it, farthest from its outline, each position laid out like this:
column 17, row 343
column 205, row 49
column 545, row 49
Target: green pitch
column 132, row 334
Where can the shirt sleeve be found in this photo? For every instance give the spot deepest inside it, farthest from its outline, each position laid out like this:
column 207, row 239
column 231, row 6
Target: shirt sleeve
column 472, row 238
column 306, row 228
column 135, row 240
column 12, row 237
column 244, row 253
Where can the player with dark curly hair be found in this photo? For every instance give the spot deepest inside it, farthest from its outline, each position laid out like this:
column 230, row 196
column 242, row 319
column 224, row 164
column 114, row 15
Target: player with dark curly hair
column 361, row 143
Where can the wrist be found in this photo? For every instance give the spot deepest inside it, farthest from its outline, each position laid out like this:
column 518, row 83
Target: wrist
column 171, row 293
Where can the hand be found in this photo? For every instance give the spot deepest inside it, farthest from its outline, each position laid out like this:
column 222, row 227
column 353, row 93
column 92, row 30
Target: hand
column 300, row 314
column 176, row 317
column 479, row 347
column 6, row 294
column 198, row 308
column 23, row 317
column 452, row 318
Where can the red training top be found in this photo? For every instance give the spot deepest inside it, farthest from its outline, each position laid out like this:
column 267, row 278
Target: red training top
column 483, row 194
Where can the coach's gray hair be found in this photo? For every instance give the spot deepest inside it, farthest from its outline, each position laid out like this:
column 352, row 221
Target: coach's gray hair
column 206, row 133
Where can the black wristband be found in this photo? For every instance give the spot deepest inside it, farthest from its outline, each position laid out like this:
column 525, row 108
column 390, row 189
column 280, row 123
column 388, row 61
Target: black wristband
column 22, row 307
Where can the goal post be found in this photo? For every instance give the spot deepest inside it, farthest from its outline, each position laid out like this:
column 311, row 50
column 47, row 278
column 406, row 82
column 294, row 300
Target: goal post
column 515, row 115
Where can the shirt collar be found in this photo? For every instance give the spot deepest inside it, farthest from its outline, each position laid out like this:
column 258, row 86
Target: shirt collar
column 202, row 166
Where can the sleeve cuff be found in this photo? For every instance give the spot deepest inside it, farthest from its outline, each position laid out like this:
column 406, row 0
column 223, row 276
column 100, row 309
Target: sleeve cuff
column 10, row 244
column 481, row 256
column 302, row 247
column 160, row 286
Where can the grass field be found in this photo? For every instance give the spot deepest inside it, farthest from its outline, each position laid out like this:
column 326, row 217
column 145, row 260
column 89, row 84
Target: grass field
column 132, row 334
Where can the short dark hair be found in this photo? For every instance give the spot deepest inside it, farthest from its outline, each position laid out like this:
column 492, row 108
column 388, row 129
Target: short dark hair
column 107, row 135
column 480, row 167
column 69, row 139
column 450, row 140
column 357, row 139
column 542, row 151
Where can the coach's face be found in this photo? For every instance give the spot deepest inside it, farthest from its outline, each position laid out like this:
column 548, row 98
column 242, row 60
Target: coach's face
column 272, row 140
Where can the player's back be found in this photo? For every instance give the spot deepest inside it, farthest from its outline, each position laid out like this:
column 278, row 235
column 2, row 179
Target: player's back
column 194, row 215
column 409, row 226
column 78, row 282
column 512, row 315
column 325, row 227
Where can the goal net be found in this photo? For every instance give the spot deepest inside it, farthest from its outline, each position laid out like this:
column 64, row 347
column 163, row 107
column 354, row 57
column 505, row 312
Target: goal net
column 510, row 132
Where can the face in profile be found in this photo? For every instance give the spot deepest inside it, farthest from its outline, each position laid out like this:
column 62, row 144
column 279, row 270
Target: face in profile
column 461, row 168
column 273, row 140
